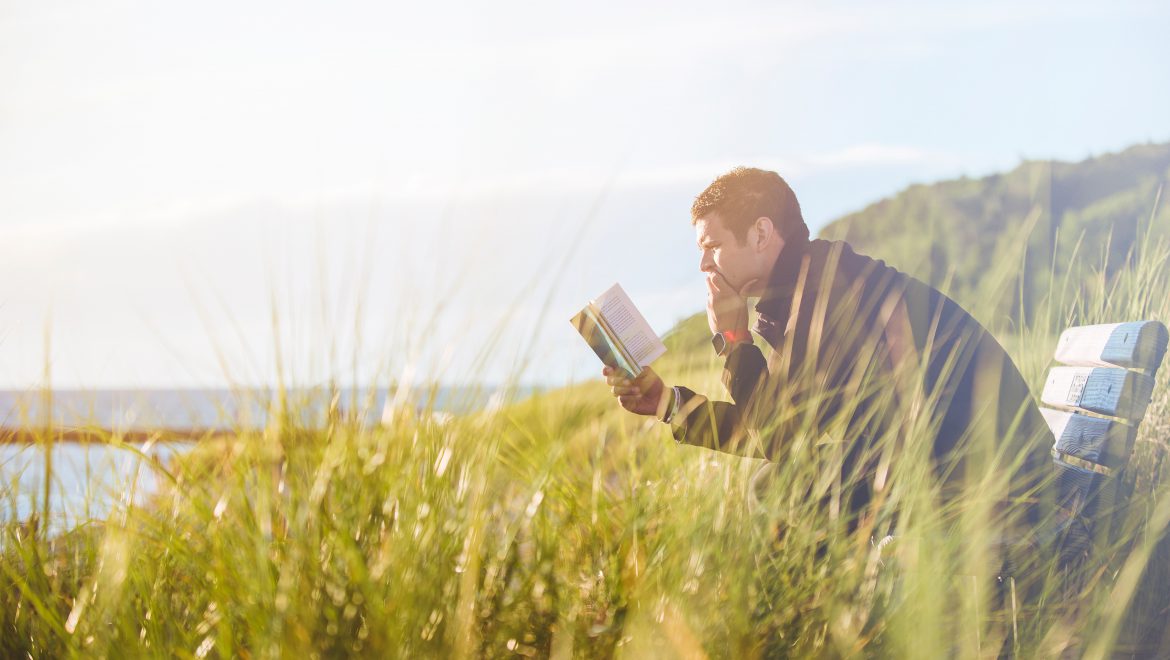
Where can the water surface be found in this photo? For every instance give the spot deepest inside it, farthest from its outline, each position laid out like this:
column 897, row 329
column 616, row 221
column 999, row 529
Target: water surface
column 87, row 481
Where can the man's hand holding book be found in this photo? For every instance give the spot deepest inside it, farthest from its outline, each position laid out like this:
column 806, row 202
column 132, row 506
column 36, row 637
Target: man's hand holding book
column 644, row 395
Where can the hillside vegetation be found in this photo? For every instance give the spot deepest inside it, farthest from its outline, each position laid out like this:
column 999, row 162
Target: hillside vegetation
column 1074, row 218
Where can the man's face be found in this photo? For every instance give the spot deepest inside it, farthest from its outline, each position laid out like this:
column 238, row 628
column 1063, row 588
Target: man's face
column 738, row 262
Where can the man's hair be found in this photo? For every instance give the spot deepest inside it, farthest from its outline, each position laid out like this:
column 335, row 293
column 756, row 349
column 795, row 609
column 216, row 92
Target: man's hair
column 747, row 193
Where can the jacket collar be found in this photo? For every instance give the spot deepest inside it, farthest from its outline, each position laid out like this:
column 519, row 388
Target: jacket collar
column 782, row 280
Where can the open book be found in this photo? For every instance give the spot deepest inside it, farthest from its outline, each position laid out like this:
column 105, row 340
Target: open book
column 617, row 332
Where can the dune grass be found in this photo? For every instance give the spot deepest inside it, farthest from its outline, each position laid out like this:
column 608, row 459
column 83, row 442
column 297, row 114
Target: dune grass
column 561, row 526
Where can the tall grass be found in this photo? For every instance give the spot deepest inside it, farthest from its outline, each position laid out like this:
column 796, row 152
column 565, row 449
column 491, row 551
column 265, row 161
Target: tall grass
column 561, row 526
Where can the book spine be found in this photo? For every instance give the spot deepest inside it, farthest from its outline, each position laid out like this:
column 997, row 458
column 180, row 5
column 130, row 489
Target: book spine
column 635, row 368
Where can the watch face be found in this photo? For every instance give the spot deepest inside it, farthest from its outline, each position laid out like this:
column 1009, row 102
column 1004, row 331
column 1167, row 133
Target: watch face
column 719, row 342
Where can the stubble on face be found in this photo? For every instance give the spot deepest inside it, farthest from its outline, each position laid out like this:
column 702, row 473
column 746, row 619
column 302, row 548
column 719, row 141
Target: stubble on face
column 721, row 251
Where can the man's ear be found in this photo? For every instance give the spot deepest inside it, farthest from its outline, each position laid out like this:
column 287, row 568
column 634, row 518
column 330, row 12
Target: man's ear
column 762, row 231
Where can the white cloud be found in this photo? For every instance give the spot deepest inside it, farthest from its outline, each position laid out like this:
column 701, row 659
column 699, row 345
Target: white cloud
column 871, row 154
column 420, row 189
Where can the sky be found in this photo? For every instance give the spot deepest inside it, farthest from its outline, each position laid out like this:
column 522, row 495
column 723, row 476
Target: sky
column 214, row 193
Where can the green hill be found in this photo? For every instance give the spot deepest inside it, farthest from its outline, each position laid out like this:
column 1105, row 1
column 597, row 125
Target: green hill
column 1074, row 218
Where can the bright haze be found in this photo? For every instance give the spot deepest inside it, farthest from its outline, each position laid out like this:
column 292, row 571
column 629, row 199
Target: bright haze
column 395, row 186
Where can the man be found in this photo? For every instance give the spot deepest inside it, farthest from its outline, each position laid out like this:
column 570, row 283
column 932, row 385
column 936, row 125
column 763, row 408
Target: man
column 861, row 352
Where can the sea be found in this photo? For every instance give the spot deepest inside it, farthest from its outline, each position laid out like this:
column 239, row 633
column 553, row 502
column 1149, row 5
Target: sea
column 90, row 481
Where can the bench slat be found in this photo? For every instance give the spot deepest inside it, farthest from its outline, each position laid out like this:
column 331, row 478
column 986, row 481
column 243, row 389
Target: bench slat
column 1099, row 441
column 1075, row 483
column 1106, row 391
column 1135, row 345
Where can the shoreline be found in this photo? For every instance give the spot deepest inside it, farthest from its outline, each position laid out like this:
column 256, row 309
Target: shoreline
column 101, row 436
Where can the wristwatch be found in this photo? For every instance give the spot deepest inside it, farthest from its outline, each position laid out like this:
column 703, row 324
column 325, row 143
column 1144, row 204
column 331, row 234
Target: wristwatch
column 724, row 340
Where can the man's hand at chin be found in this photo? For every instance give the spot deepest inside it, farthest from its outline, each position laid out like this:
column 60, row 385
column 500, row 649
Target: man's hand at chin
column 644, row 395
column 727, row 307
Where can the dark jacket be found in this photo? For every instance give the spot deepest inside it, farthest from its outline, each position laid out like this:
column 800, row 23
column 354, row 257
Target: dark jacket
column 839, row 325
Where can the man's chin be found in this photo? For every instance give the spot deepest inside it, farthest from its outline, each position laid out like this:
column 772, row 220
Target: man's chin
column 753, row 290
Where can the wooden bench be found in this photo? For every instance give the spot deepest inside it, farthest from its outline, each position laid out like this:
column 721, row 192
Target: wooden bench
column 1095, row 403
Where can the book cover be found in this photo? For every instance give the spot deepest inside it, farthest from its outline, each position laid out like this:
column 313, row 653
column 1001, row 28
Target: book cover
column 618, row 333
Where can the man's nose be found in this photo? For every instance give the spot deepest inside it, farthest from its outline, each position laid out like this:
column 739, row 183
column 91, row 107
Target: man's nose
column 706, row 263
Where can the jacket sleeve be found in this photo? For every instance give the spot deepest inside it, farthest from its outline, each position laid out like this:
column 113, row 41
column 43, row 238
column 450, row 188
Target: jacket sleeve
column 723, row 425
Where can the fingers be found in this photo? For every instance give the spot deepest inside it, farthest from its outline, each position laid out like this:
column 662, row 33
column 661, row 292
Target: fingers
column 715, row 283
column 719, row 282
column 630, row 403
column 620, row 384
column 718, row 285
column 630, row 392
column 627, row 391
column 646, row 378
column 613, row 374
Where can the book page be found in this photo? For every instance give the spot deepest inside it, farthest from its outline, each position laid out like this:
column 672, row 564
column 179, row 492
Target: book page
column 631, row 328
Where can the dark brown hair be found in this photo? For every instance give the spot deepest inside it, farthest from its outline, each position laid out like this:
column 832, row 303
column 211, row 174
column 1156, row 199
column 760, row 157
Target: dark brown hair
column 747, row 193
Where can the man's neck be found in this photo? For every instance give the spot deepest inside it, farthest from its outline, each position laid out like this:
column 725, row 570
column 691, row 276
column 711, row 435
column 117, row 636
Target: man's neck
column 784, row 270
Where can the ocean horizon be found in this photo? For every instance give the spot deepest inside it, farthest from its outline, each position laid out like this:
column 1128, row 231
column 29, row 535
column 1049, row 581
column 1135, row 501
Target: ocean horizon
column 227, row 409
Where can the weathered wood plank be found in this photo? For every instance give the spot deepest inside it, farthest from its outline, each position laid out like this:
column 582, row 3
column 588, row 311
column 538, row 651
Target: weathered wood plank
column 1106, row 391
column 1099, row 441
column 1134, row 345
column 1077, row 488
